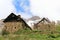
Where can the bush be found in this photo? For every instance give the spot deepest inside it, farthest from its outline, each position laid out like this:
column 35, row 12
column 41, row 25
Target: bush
column 4, row 32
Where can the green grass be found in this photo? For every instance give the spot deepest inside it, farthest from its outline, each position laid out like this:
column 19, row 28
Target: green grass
column 32, row 35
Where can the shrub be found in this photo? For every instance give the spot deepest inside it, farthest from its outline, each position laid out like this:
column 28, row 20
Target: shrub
column 4, row 32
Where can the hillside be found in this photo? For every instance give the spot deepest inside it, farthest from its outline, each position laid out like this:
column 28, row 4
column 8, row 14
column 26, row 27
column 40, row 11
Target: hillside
column 34, row 18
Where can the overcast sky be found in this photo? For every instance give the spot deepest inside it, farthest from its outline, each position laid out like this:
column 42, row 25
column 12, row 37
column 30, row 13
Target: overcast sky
column 27, row 8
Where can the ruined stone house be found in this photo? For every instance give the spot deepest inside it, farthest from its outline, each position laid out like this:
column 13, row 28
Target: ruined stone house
column 44, row 25
column 13, row 23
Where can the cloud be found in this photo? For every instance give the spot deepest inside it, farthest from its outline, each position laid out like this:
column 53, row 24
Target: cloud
column 42, row 8
column 46, row 8
column 22, row 7
column 6, row 8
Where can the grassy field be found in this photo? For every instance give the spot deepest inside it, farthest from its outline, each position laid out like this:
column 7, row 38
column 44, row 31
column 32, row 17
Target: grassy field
column 32, row 35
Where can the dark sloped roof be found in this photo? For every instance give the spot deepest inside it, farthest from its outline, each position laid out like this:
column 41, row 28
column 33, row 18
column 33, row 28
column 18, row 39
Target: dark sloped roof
column 12, row 17
column 43, row 20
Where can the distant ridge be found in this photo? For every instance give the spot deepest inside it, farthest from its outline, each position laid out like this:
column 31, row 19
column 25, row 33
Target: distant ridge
column 34, row 18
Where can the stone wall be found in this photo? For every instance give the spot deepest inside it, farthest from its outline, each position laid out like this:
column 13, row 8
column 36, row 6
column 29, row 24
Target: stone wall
column 45, row 27
column 13, row 26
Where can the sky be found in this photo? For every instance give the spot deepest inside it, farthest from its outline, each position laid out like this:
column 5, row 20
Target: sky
column 23, row 7
column 28, row 8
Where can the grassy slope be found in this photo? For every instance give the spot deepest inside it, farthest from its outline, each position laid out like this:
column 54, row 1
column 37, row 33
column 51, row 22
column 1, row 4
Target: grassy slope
column 32, row 35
